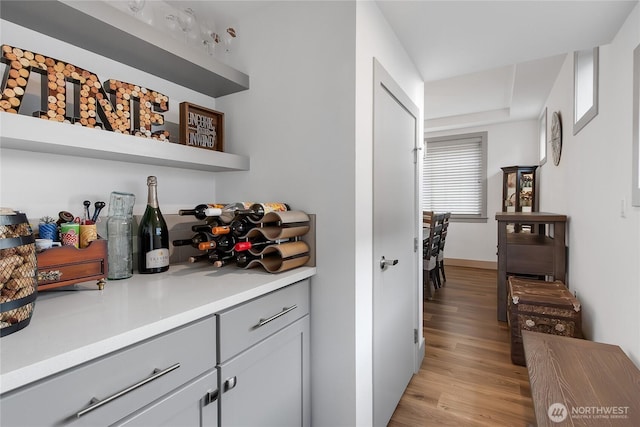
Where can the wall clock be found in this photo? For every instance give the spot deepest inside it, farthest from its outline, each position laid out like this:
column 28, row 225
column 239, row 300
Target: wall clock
column 556, row 137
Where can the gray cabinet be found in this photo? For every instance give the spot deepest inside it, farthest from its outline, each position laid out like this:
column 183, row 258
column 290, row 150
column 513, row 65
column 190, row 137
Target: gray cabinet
column 251, row 369
column 264, row 364
column 104, row 391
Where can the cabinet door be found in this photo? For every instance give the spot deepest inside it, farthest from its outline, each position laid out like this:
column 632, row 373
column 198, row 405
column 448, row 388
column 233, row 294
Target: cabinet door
column 194, row 404
column 268, row 384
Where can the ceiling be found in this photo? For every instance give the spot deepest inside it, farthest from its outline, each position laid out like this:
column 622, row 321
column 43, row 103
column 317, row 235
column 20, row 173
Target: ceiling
column 492, row 61
column 482, row 61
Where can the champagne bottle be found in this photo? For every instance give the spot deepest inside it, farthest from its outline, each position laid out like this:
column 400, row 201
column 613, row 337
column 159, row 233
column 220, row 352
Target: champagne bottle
column 153, row 235
column 200, row 211
column 195, row 240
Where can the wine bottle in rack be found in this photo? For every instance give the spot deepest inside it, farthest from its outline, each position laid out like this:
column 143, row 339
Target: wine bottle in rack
column 244, row 258
column 195, row 240
column 226, row 243
column 153, row 234
column 220, row 230
column 227, row 213
column 200, row 211
column 257, row 211
column 205, row 246
column 241, row 226
column 212, row 256
column 199, row 258
column 225, row 260
column 211, row 222
column 245, row 246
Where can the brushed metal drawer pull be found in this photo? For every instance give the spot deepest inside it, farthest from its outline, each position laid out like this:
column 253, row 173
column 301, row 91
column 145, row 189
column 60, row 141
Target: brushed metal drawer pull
column 284, row 311
column 95, row 403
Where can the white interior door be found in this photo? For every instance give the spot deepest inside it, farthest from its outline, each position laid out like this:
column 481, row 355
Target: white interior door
column 394, row 231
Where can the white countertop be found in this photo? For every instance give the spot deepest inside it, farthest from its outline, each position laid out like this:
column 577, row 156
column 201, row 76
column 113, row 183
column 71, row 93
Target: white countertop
column 71, row 327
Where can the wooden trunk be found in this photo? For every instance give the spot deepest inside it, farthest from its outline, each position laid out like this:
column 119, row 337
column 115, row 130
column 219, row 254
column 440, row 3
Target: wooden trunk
column 539, row 306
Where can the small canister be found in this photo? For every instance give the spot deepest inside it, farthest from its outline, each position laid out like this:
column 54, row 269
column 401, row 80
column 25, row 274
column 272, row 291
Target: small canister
column 70, row 234
column 88, row 233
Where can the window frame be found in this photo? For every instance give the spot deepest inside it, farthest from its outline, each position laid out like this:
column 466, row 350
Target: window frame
column 590, row 80
column 452, row 139
column 542, row 138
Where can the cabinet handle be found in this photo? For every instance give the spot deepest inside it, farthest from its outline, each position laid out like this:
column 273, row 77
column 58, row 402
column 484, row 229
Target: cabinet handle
column 95, row 403
column 211, row 397
column 284, row 311
column 230, row 383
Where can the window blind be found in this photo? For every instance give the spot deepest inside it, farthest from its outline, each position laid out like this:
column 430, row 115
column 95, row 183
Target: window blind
column 454, row 176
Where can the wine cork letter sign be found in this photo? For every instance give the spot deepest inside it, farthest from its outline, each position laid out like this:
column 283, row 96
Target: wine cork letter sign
column 201, row 127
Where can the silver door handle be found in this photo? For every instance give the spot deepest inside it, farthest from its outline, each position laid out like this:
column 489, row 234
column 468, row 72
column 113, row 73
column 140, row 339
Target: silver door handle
column 384, row 263
column 284, row 311
column 95, row 403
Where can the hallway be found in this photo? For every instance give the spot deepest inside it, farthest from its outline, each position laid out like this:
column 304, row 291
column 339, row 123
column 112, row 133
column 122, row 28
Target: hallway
column 466, row 378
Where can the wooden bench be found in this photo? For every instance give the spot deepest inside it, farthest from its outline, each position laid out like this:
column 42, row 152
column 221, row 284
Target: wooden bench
column 577, row 382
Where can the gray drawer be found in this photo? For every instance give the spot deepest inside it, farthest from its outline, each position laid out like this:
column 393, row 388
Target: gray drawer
column 246, row 324
column 58, row 400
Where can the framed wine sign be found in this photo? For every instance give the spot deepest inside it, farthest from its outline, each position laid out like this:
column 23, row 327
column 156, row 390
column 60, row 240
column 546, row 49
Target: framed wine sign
column 201, row 127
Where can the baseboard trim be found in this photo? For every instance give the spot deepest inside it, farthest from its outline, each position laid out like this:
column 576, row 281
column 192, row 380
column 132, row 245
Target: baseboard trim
column 457, row 262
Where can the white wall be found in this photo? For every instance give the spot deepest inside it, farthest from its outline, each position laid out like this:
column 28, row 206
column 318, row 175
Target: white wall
column 508, row 144
column 297, row 124
column 306, row 123
column 43, row 184
column 590, row 184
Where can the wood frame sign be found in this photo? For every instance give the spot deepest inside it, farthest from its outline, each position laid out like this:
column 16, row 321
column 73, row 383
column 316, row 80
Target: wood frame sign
column 201, row 127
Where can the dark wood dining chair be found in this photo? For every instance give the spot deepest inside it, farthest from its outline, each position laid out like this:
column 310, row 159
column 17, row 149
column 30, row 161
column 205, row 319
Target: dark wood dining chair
column 431, row 248
column 443, row 239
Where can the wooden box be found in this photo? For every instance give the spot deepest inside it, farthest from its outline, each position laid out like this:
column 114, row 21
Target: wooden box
column 201, row 127
column 67, row 265
column 539, row 306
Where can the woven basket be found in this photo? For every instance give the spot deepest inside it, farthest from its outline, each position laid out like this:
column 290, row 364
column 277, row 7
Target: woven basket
column 18, row 267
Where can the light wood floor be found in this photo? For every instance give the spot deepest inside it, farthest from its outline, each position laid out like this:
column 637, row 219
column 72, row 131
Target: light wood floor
column 466, row 378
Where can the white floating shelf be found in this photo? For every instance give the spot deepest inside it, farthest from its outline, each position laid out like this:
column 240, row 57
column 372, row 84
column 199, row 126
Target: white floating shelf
column 107, row 31
column 19, row 132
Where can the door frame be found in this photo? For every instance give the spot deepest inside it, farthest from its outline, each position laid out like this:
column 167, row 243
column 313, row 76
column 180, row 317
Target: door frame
column 382, row 80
